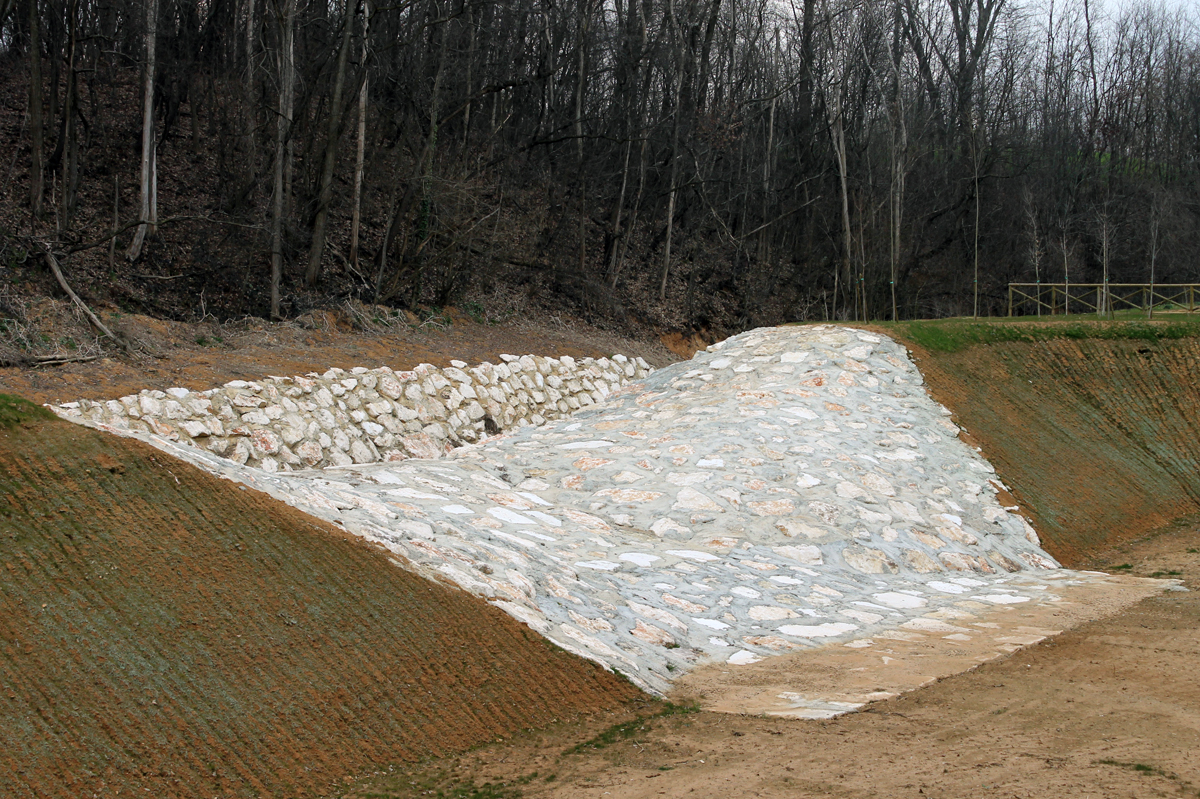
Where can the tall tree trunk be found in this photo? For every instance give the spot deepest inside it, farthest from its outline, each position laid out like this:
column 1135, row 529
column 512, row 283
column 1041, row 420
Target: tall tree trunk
column 250, row 23
column 37, row 125
column 70, row 136
column 360, row 145
column 580, row 87
column 1155, row 216
column 422, row 174
column 837, row 133
column 763, row 241
column 679, row 56
column 470, row 83
column 1066, row 254
column 634, row 103
column 112, row 242
column 975, row 176
column 148, row 140
column 616, row 217
column 1106, row 306
column 643, row 149
column 248, row 88
column 804, row 84
column 899, row 152
column 313, row 272
column 666, row 264
column 283, row 125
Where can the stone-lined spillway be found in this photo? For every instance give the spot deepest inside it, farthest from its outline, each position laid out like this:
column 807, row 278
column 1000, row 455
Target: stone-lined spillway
column 785, row 489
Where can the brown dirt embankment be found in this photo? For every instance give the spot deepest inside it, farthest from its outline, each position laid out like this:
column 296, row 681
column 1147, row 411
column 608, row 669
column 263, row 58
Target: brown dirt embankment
column 204, row 355
column 165, row 631
column 1099, row 439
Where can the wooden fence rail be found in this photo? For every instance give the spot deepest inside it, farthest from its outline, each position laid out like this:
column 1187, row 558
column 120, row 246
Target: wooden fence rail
column 1102, row 298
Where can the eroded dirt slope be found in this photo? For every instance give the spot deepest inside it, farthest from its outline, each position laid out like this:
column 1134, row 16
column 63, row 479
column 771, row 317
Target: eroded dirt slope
column 1099, row 439
column 164, row 630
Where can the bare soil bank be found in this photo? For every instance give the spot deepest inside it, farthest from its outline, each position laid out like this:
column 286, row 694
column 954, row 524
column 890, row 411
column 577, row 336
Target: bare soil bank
column 1098, row 439
column 166, row 631
column 205, row 355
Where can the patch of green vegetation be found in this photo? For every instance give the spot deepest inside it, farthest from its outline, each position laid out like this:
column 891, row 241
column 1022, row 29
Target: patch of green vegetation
column 627, row 729
column 1171, row 573
column 1193, row 551
column 615, row 733
column 439, row 786
column 475, row 311
column 461, row 791
column 620, row 675
column 1140, row 767
column 1147, row 770
column 434, row 316
column 953, row 335
column 1123, row 566
column 15, row 411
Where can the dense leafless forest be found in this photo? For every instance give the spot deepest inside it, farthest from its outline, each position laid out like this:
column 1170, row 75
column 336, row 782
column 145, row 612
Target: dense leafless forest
column 684, row 163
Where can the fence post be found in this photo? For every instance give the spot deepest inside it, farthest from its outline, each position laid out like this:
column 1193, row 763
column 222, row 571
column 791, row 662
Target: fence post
column 1010, row 299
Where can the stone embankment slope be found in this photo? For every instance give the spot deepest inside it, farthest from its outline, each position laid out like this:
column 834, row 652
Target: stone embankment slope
column 364, row 415
column 170, row 634
column 788, row 489
column 1099, row 438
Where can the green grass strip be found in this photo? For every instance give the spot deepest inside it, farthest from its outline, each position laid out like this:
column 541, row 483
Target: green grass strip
column 954, row 335
column 15, row 411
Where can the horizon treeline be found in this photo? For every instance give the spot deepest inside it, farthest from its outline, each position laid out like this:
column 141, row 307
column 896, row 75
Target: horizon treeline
column 697, row 163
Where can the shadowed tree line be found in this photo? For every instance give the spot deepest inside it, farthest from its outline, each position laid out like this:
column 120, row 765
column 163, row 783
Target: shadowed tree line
column 694, row 163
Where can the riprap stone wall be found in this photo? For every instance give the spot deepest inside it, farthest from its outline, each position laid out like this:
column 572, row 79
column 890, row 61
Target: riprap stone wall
column 365, row 415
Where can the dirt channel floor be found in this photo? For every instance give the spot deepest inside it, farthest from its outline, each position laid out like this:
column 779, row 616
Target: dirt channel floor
column 1100, row 448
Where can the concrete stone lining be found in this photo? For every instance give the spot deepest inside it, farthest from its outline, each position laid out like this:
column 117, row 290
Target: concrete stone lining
column 364, row 415
column 788, row 490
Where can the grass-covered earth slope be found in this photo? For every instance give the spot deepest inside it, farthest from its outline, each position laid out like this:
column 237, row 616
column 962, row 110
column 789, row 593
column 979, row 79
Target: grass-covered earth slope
column 164, row 630
column 1095, row 425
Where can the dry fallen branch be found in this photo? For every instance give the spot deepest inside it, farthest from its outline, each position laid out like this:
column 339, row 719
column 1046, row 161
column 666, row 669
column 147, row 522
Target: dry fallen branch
column 62, row 282
column 56, row 360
